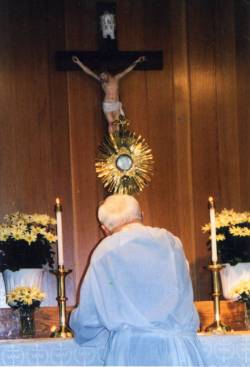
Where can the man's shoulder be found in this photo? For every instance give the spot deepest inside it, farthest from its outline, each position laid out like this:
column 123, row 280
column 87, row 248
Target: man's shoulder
column 113, row 242
column 106, row 245
column 164, row 233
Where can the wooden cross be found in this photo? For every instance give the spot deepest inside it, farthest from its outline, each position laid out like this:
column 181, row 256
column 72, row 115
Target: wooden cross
column 108, row 57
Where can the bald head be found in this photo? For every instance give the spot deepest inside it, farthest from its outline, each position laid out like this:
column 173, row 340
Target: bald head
column 118, row 210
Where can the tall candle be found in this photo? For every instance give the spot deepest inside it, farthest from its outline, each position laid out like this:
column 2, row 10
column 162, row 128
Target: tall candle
column 58, row 209
column 213, row 229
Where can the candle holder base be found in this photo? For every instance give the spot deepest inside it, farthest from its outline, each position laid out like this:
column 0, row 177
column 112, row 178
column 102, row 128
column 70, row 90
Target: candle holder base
column 217, row 327
column 62, row 332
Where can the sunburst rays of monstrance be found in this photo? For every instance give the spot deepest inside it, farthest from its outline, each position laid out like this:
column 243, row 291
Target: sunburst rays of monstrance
column 124, row 162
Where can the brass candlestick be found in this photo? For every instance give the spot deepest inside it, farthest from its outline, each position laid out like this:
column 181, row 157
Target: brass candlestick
column 64, row 330
column 217, row 326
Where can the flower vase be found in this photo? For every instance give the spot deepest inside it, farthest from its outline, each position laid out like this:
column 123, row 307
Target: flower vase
column 231, row 275
column 23, row 278
column 27, row 322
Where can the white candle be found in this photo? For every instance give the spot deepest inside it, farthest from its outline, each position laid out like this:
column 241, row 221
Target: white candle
column 213, row 230
column 58, row 208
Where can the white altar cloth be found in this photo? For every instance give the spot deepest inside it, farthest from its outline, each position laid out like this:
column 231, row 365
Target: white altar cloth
column 220, row 350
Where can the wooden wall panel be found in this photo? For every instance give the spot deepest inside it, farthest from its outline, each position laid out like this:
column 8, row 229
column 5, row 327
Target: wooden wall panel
column 148, row 100
column 204, row 133
column 86, row 129
column 34, row 138
column 194, row 114
column 59, row 130
column 242, row 36
column 181, row 85
column 226, row 90
column 135, row 84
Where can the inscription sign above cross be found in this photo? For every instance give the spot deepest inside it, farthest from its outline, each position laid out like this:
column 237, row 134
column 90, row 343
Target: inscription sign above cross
column 108, row 57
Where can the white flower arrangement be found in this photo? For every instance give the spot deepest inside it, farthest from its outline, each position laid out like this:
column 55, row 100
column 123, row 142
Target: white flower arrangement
column 26, row 241
column 233, row 221
column 27, row 227
column 232, row 235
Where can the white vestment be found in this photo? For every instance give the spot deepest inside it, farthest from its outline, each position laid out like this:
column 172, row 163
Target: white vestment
column 136, row 301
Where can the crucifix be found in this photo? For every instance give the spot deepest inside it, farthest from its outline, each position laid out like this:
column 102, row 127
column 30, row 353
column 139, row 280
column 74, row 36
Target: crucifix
column 109, row 58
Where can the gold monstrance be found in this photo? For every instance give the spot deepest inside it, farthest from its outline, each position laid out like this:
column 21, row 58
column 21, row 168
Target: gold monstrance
column 125, row 161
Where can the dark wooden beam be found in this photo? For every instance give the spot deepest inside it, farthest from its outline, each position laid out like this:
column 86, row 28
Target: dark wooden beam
column 108, row 57
column 111, row 61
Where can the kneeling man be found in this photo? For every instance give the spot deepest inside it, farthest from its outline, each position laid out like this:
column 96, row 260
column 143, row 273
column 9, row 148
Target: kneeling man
column 136, row 300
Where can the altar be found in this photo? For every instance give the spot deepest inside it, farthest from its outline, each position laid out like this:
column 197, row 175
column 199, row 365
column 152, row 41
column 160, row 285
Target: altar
column 232, row 349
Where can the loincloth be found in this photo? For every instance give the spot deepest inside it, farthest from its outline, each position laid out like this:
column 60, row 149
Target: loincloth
column 112, row 107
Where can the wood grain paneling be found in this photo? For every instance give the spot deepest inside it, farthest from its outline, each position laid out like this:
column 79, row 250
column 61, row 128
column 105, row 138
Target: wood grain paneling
column 242, row 37
column 204, row 132
column 181, row 85
column 34, row 135
column 232, row 314
column 86, row 129
column 194, row 114
column 226, row 90
column 45, row 319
